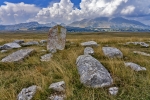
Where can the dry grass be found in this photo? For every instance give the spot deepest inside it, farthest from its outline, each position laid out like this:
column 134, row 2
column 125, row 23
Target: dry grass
column 132, row 85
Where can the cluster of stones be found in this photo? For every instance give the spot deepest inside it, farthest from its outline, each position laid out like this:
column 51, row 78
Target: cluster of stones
column 142, row 44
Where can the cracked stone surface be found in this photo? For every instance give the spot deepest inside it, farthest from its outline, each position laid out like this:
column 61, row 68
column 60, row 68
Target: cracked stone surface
column 27, row 93
column 134, row 66
column 18, row 55
column 89, row 44
column 92, row 72
column 112, row 52
column 56, row 39
column 113, row 90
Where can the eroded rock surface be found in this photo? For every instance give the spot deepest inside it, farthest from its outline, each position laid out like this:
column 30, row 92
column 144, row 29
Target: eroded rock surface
column 27, row 93
column 88, row 51
column 18, row 55
column 92, row 72
column 112, row 52
column 56, row 39
column 134, row 66
column 46, row 57
column 89, row 44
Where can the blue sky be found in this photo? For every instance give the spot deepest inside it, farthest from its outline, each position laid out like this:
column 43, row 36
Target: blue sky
column 67, row 11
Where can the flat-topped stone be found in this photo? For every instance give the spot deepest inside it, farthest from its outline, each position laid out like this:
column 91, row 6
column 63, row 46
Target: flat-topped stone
column 18, row 55
column 112, row 52
column 11, row 46
column 92, row 72
column 89, row 43
column 134, row 66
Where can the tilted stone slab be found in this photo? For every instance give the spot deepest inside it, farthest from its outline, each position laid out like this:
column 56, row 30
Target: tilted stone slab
column 89, row 44
column 92, row 72
column 112, row 52
column 27, row 93
column 134, row 66
column 11, row 46
column 18, row 55
column 88, row 51
column 56, row 38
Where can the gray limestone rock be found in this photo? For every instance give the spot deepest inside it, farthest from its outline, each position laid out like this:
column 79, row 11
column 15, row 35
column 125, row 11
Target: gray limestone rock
column 59, row 86
column 113, row 90
column 112, row 52
column 19, row 41
column 11, row 46
column 88, row 51
column 92, row 72
column 46, row 57
column 134, row 66
column 30, row 43
column 141, row 53
column 89, row 43
column 18, row 55
column 27, row 93
column 56, row 39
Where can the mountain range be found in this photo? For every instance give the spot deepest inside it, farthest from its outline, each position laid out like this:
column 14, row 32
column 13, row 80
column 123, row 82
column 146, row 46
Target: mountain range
column 89, row 24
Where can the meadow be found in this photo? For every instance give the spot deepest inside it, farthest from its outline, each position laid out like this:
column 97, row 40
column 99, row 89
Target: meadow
column 132, row 85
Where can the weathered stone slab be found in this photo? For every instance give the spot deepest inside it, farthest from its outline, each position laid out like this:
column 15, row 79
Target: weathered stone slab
column 27, row 93
column 92, row 72
column 56, row 38
column 113, row 90
column 46, row 57
column 141, row 53
column 88, row 51
column 112, row 52
column 31, row 43
column 143, row 44
column 19, row 41
column 59, row 86
column 134, row 66
column 11, row 46
column 89, row 43
column 18, row 55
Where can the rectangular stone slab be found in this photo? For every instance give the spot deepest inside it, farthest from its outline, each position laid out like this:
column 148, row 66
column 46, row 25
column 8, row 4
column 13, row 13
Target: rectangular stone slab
column 18, row 55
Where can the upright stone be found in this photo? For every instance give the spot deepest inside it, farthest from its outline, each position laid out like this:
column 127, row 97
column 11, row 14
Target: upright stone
column 56, row 38
column 92, row 72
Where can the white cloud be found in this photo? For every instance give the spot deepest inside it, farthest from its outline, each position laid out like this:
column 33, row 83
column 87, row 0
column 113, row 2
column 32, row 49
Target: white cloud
column 128, row 10
column 12, row 13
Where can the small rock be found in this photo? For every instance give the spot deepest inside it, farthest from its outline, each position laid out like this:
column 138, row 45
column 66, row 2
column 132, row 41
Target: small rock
column 18, row 55
column 43, row 41
column 134, row 66
column 57, row 97
column 19, row 41
column 30, row 43
column 142, row 53
column 113, row 90
column 143, row 44
column 43, row 50
column 3, row 51
column 89, row 43
column 92, row 72
column 112, row 52
column 11, row 46
column 46, row 57
column 27, row 93
column 59, row 86
column 88, row 51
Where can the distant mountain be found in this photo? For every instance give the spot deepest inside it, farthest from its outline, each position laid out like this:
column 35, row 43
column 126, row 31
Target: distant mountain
column 105, row 22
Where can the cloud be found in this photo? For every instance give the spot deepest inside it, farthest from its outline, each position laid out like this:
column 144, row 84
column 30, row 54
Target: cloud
column 128, row 10
column 12, row 13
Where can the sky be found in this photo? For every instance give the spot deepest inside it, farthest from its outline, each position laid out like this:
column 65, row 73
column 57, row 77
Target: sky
column 67, row 11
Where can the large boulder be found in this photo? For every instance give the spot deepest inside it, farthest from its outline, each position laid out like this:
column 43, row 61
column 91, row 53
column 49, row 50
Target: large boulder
column 27, row 93
column 11, row 46
column 18, row 55
column 31, row 43
column 92, row 72
column 46, row 57
column 88, row 51
column 56, row 38
column 112, row 52
column 89, row 44
column 134, row 66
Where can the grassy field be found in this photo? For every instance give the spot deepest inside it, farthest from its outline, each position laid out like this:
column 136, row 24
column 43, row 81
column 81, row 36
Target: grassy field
column 132, row 85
